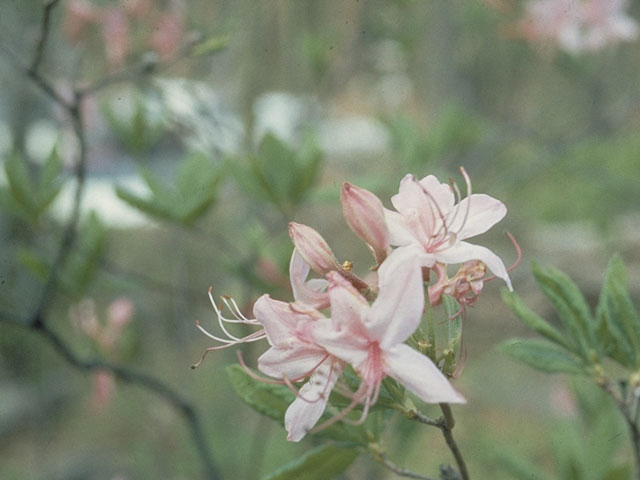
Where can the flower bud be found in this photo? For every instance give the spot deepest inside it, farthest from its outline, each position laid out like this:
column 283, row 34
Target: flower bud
column 364, row 213
column 313, row 248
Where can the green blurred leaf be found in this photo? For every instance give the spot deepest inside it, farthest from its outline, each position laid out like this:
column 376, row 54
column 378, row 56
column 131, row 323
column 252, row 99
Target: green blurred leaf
column 542, row 355
column 571, row 307
column 534, row 321
column 454, row 322
column 321, row 463
column 195, row 190
column 273, row 400
column 619, row 322
column 81, row 265
column 519, row 467
column 35, row 262
column 210, row 46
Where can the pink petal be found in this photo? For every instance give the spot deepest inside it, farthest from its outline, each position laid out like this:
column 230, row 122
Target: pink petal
column 350, row 343
column 280, row 322
column 419, row 375
column 314, row 249
column 294, row 363
column 347, row 305
column 303, row 414
column 483, row 213
column 463, row 251
column 396, row 313
column 310, row 292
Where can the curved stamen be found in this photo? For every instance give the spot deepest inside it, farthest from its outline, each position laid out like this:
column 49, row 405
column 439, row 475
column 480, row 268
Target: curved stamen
column 467, row 181
column 443, row 224
column 235, row 310
column 518, row 259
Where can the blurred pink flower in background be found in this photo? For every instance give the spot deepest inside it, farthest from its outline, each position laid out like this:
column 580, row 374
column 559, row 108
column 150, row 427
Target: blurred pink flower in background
column 578, row 26
column 167, row 30
column 80, row 14
column 117, row 38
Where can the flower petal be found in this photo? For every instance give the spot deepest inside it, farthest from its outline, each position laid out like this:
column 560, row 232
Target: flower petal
column 294, row 363
column 280, row 322
column 463, row 251
column 349, row 344
column 440, row 193
column 347, row 305
column 483, row 213
column 419, row 375
column 399, row 232
column 306, row 410
column 310, row 292
column 396, row 313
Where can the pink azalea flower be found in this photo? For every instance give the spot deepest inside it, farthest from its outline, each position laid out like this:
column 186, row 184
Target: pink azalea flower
column 371, row 337
column 430, row 223
column 293, row 356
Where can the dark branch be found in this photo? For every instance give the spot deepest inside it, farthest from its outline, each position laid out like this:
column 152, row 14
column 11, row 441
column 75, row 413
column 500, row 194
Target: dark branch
column 402, row 472
column 44, row 34
column 142, row 380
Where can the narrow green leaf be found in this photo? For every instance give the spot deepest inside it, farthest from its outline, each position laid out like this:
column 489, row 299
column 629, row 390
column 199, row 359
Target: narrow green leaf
column 21, row 186
column 520, row 467
column 570, row 304
column 322, row 463
column 210, row 46
column 542, row 355
column 81, row 267
column 149, row 207
column 278, row 165
column 35, row 262
column 534, row 321
column 454, row 321
column 618, row 315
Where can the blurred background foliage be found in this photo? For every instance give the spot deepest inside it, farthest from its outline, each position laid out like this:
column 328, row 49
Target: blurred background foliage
column 259, row 113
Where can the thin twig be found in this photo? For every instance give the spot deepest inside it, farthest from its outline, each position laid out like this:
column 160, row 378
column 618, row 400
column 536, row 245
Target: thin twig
column 44, row 34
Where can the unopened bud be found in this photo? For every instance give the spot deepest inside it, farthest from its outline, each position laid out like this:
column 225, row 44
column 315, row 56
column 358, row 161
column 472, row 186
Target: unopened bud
column 313, row 248
column 364, row 214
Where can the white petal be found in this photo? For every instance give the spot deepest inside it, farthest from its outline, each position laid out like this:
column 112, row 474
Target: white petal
column 441, row 193
column 347, row 305
column 419, row 375
column 463, row 251
column 483, row 213
column 294, row 363
column 396, row 313
column 303, row 414
column 399, row 232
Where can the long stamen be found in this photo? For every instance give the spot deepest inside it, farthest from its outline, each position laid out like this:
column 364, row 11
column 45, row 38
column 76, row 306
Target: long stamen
column 440, row 214
column 467, row 181
column 235, row 310
column 518, row 259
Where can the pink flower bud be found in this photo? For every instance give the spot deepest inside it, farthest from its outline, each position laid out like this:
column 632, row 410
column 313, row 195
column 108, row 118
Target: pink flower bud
column 313, row 248
column 364, row 213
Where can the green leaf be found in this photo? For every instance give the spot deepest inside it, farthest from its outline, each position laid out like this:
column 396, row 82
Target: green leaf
column 273, row 400
column 571, row 306
column 519, row 467
column 618, row 317
column 81, row 267
column 454, row 321
column 321, row 463
column 542, row 355
column 210, row 46
column 533, row 320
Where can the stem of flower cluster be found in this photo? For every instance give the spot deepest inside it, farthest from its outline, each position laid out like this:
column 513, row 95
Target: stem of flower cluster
column 447, row 431
column 625, row 409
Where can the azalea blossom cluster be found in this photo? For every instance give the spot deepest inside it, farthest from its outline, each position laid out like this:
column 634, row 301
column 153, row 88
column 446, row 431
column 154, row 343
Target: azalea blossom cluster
column 337, row 319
